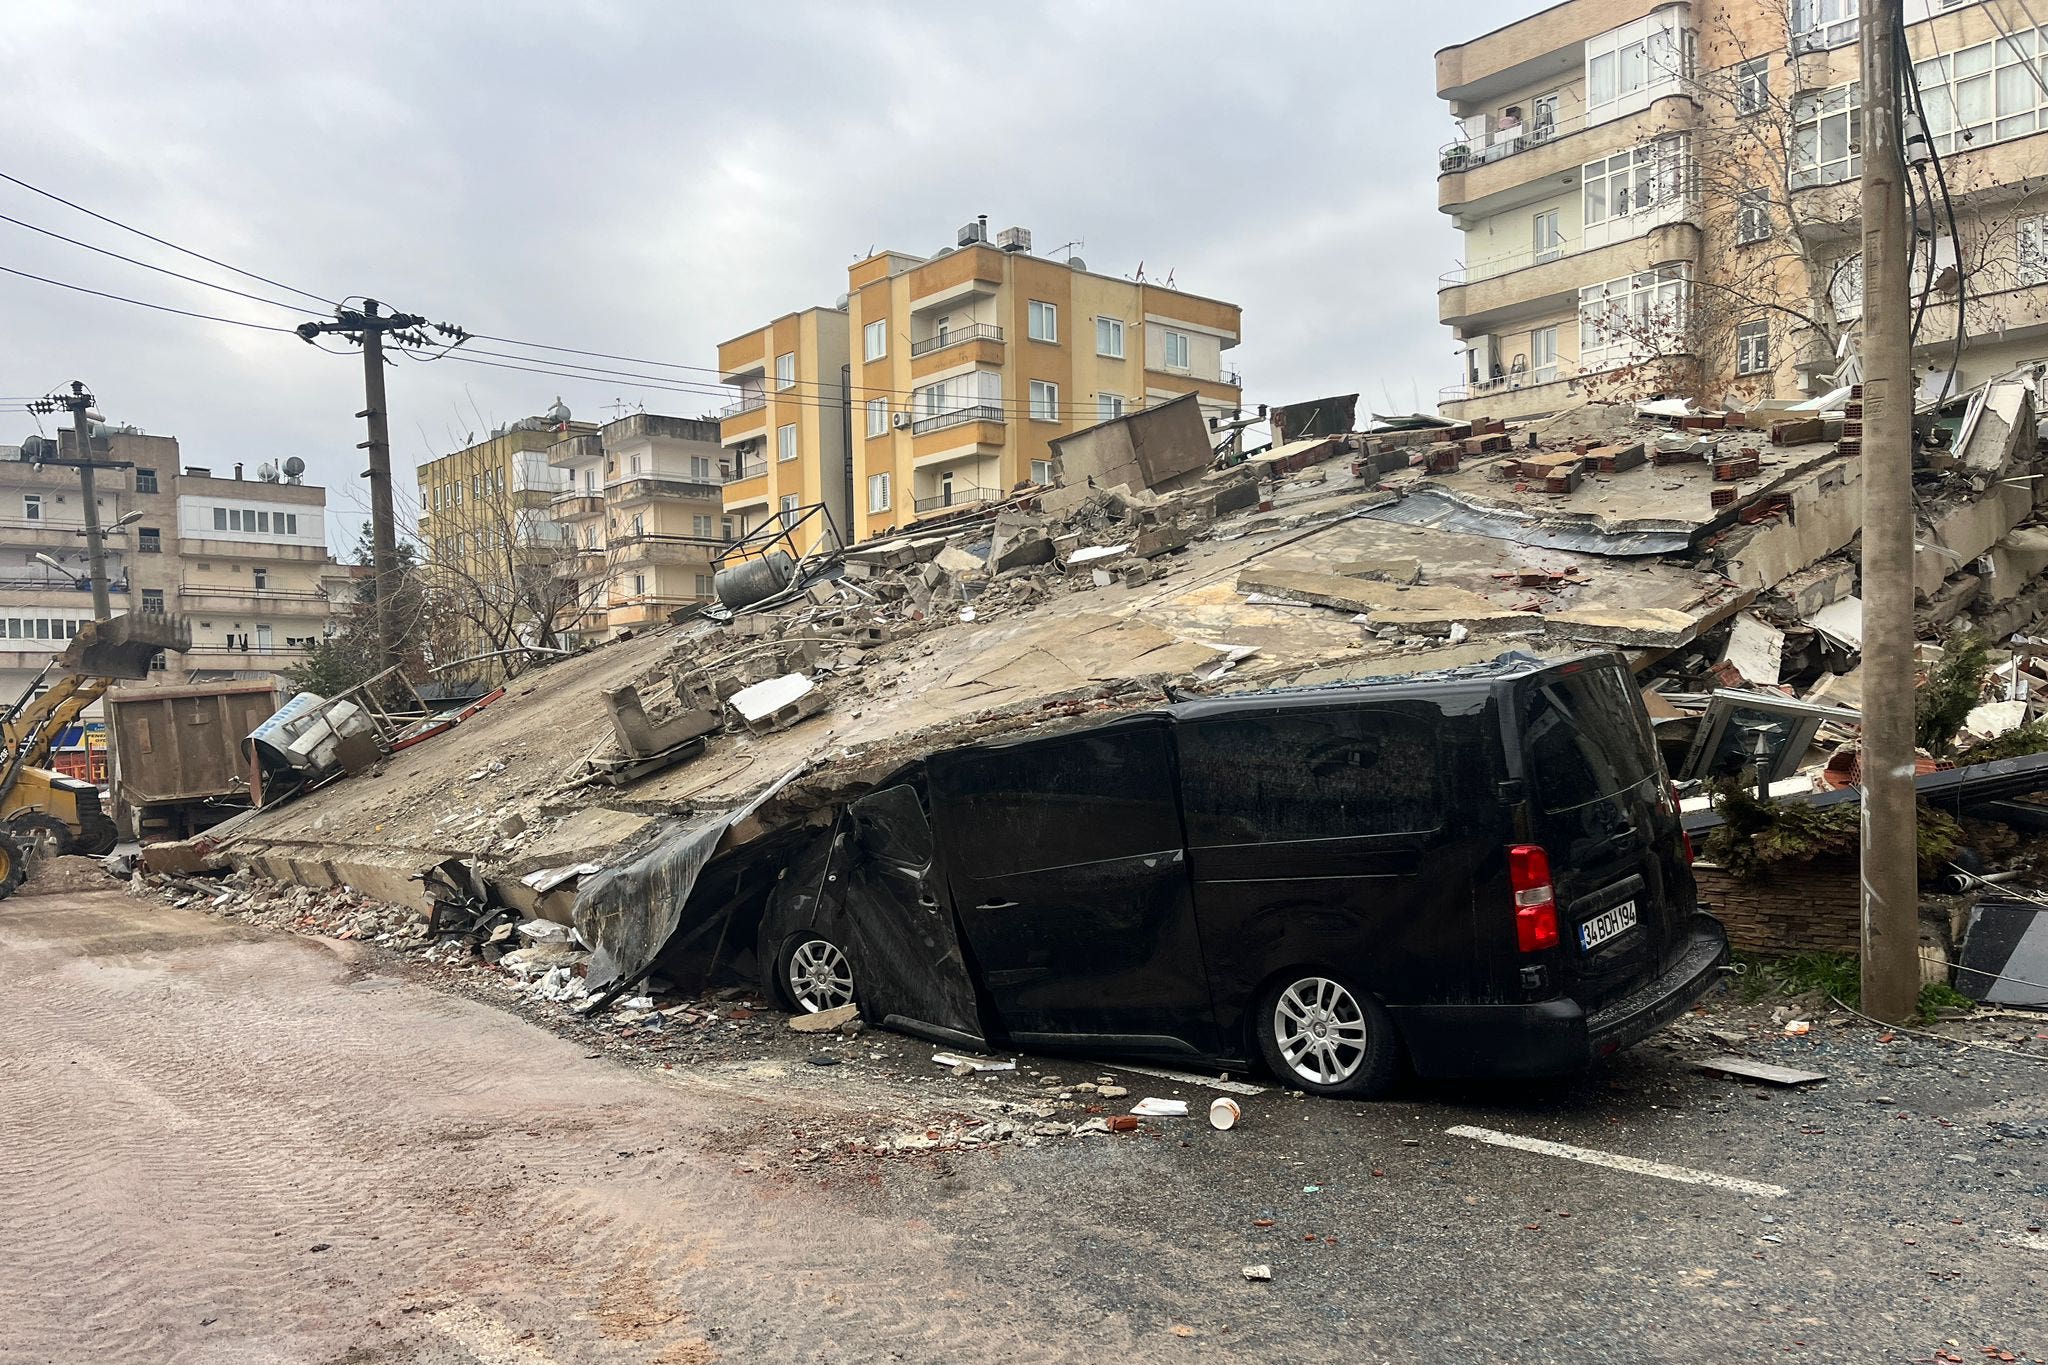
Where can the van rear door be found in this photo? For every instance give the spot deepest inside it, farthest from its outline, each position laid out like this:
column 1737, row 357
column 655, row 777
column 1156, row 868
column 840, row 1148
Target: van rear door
column 1601, row 807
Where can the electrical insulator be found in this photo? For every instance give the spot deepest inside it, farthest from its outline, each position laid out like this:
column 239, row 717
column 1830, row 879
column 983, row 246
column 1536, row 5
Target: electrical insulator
column 1918, row 150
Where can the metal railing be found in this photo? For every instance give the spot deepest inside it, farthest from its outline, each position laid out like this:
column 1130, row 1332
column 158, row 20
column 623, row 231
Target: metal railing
column 1501, row 383
column 747, row 469
column 958, row 497
column 980, row 331
column 1498, row 144
column 753, row 402
column 980, row 412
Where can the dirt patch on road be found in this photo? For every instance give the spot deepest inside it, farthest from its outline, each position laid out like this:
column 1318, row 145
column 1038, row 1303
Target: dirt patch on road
column 60, row 876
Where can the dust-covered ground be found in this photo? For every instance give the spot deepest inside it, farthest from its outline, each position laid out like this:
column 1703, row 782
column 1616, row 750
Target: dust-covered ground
column 230, row 1143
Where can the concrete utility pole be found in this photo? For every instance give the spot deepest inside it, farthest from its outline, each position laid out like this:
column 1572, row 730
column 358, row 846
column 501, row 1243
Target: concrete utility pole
column 78, row 401
column 368, row 326
column 1891, row 892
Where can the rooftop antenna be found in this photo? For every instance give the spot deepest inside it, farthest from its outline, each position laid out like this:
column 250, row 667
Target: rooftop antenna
column 1169, row 278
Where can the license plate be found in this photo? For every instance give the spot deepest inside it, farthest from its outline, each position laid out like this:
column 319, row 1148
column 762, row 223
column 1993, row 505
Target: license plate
column 1607, row 924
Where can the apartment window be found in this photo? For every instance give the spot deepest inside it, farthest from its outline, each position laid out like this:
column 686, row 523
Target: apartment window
column 1109, row 337
column 1631, row 59
column 1045, row 401
column 878, row 417
column 700, row 467
column 639, row 524
column 292, row 528
column 590, row 479
column 1827, row 137
column 1753, row 86
column 1041, row 472
column 639, row 585
column 1822, row 23
column 1753, row 216
column 700, row 526
column 1984, row 93
column 149, row 540
column 703, row 585
column 1753, row 347
column 878, row 492
column 1043, row 320
column 1630, row 317
column 32, row 506
column 1633, row 181
column 1543, row 354
column 153, row 600
column 1845, row 287
column 145, row 481
column 261, row 577
column 1176, row 350
column 785, row 370
column 788, row 506
column 875, row 339
column 636, row 464
column 1108, row 407
column 2033, row 249
column 785, row 442
column 263, row 522
column 1546, row 235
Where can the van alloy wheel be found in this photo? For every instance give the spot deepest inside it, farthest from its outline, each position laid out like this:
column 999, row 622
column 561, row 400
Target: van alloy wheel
column 1321, row 1031
column 819, row 976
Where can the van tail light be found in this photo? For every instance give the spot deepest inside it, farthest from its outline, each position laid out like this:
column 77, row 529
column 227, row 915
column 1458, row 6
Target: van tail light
column 1535, row 901
column 1683, row 832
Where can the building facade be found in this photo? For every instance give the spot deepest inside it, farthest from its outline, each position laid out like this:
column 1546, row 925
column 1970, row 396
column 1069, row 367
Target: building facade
column 1666, row 195
column 242, row 560
column 644, row 512
column 969, row 363
column 785, row 437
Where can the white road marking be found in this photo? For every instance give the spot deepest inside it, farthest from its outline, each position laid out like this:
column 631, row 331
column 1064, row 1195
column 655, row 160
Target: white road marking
column 1683, row 1174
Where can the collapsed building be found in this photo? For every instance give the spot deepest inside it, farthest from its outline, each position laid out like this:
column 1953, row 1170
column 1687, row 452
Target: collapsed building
column 645, row 792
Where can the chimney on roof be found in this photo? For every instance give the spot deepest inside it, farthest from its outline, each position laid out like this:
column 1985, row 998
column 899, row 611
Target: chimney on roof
column 238, row 470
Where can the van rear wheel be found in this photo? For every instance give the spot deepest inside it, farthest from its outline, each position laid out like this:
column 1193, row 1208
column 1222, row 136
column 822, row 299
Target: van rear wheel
column 1319, row 1032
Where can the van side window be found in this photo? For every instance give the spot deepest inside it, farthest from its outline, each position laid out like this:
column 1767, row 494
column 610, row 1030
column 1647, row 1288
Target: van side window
column 1330, row 773
column 1060, row 803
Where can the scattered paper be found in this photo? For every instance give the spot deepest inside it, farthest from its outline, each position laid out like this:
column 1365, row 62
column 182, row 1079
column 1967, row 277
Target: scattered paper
column 1160, row 1109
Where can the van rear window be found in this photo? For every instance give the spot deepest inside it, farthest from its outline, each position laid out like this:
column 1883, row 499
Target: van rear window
column 1587, row 738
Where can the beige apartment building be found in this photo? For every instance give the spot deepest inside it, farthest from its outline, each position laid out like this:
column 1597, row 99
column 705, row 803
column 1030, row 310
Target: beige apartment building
column 785, row 436
column 242, row 560
column 970, row 362
column 1665, row 195
column 644, row 512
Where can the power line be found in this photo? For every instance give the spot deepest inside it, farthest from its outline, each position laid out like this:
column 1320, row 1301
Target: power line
column 160, row 241
column 162, row 270
column 157, row 307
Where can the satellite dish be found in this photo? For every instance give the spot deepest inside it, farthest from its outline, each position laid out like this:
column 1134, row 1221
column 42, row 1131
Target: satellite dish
column 267, row 472
column 293, row 468
column 1076, row 263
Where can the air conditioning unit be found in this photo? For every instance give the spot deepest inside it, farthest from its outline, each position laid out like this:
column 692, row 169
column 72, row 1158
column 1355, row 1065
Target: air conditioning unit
column 976, row 231
column 1014, row 239
column 899, row 420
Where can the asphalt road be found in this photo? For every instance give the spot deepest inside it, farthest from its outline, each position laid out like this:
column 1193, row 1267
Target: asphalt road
column 219, row 1143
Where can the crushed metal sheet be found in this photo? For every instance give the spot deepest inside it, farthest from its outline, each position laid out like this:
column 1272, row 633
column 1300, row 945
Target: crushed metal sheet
column 548, row 878
column 1730, row 1065
column 1841, row 621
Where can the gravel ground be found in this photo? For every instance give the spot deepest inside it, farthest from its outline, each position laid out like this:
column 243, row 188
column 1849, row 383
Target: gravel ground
column 543, row 1188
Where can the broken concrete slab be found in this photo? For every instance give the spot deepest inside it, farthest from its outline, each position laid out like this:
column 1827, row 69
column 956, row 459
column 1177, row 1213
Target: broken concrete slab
column 955, row 560
column 763, row 699
column 1756, row 650
column 1358, row 594
column 1404, row 571
column 641, row 737
column 1645, row 627
column 1440, row 624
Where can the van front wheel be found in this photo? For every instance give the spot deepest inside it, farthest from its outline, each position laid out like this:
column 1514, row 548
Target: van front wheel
column 1321, row 1034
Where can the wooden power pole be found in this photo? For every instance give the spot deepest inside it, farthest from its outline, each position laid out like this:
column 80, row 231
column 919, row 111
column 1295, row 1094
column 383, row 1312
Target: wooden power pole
column 1891, row 893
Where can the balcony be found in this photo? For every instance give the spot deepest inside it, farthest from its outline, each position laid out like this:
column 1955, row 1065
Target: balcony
column 980, row 412
column 569, row 506
column 1491, row 295
column 957, row 336
column 644, row 488
column 752, row 402
column 1510, row 397
column 575, row 450
column 654, row 548
column 742, row 470
column 957, row 497
column 1507, row 167
column 278, row 602
column 583, row 564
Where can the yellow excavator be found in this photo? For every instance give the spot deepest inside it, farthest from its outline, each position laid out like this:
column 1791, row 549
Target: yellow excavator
column 44, row 813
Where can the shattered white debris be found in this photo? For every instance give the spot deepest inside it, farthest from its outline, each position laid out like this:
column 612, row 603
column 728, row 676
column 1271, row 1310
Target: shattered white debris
column 764, row 699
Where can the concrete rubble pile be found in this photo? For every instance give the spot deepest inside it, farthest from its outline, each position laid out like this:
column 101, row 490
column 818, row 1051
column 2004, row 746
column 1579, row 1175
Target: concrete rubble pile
column 1715, row 549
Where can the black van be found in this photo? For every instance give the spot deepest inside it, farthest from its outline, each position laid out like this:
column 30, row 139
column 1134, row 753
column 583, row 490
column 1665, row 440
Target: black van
column 1479, row 871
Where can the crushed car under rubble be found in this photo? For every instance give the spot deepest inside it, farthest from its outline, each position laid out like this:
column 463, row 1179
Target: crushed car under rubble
column 1479, row 871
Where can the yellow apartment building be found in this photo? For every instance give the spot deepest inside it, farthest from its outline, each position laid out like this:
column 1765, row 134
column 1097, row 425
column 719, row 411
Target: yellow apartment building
column 1657, row 194
column 971, row 362
column 643, row 510
column 785, row 436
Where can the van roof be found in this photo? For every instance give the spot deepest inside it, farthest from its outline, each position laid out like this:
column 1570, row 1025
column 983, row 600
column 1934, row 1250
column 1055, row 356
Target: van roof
column 1464, row 680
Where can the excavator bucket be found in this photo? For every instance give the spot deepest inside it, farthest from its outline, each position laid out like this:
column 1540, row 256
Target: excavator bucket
column 122, row 646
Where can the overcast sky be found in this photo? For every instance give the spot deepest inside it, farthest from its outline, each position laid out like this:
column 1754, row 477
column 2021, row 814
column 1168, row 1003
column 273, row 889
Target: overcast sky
column 650, row 178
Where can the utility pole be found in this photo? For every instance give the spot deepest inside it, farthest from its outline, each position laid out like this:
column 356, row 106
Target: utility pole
column 367, row 327
column 78, row 401
column 1891, row 891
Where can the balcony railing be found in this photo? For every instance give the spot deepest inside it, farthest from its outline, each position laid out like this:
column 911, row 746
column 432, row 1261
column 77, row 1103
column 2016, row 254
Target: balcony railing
column 979, row 331
column 747, row 469
column 753, row 402
column 1501, row 383
column 958, row 497
column 980, row 412
column 1498, row 144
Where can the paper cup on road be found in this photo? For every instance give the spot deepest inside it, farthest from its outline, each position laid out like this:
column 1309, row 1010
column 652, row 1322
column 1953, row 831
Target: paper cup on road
column 1224, row 1113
